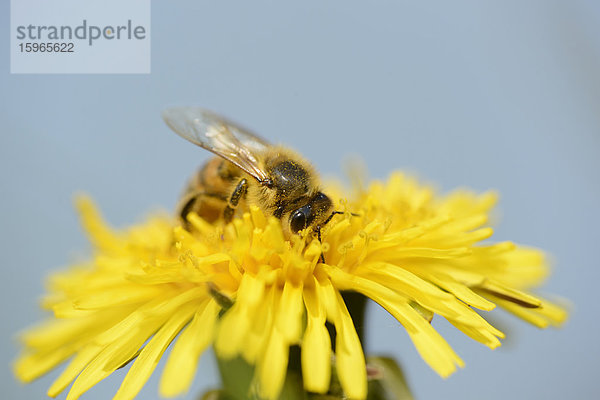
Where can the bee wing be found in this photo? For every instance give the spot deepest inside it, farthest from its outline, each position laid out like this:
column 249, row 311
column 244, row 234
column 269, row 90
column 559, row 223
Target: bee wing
column 220, row 136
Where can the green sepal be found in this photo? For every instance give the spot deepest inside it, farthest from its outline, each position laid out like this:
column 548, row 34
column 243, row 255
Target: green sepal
column 386, row 380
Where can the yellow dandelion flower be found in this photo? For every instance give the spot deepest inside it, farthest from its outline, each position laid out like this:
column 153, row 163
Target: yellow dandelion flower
column 246, row 290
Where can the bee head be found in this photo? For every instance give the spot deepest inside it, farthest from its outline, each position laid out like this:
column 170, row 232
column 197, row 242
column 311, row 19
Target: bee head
column 312, row 214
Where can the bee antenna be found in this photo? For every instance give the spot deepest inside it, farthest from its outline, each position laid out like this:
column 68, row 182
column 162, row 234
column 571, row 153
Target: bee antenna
column 221, row 299
column 330, row 217
column 333, row 213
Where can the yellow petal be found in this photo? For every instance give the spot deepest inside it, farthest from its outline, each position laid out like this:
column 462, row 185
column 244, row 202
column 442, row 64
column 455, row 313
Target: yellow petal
column 432, row 347
column 349, row 357
column 100, row 235
column 32, row 365
column 116, row 296
column 272, row 367
column 181, row 365
column 399, row 253
column 405, row 281
column 112, row 357
column 122, row 341
column 316, row 345
column 542, row 317
column 289, row 318
column 160, row 307
column 427, row 295
column 74, row 368
column 261, row 323
column 462, row 292
column 238, row 319
column 557, row 314
column 499, row 290
column 483, row 336
column 62, row 339
column 350, row 360
column 449, row 238
column 525, row 314
column 150, row 355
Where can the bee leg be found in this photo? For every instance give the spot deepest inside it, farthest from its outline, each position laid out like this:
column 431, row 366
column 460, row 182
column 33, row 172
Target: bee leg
column 194, row 202
column 223, row 300
column 239, row 192
column 186, row 205
column 322, row 257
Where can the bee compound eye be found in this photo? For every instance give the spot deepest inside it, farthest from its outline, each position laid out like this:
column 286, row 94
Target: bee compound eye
column 298, row 221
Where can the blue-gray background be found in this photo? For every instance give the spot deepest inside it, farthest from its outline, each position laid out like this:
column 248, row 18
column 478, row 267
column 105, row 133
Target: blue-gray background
column 502, row 95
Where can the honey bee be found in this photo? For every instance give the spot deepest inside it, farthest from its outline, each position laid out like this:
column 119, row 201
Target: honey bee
column 248, row 170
